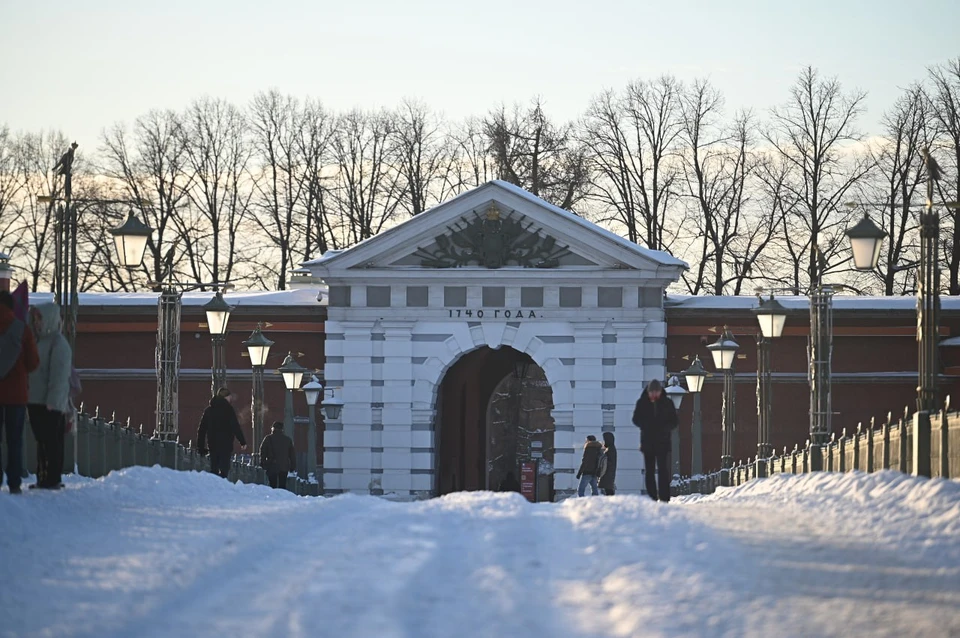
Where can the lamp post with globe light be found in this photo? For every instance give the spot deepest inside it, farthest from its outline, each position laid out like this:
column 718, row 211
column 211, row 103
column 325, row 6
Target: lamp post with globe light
column 131, row 240
column 771, row 315
column 258, row 348
column 675, row 393
column 724, row 351
column 865, row 242
column 695, row 376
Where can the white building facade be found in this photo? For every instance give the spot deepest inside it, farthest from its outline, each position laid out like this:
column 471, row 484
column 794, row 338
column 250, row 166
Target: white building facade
column 495, row 267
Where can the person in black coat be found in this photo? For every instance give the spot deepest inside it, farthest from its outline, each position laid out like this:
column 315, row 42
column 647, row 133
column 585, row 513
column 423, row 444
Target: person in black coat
column 608, row 480
column 656, row 417
column 218, row 429
column 277, row 456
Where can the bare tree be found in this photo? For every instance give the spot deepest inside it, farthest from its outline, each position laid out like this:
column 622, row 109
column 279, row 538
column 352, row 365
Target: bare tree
column 281, row 184
column 11, row 188
column 815, row 133
column 533, row 153
column 217, row 154
column 719, row 162
column 151, row 169
column 471, row 164
column 945, row 95
column 423, row 157
column 908, row 130
column 368, row 190
column 321, row 230
column 36, row 154
column 633, row 144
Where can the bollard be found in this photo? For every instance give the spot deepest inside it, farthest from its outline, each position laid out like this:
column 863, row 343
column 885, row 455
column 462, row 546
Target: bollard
column 856, row 445
column 945, row 440
column 843, row 451
column 885, row 450
column 903, row 445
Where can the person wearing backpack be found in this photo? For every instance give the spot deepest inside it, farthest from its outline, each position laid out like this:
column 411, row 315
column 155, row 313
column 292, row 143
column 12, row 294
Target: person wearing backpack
column 49, row 394
column 18, row 358
column 608, row 465
column 589, row 466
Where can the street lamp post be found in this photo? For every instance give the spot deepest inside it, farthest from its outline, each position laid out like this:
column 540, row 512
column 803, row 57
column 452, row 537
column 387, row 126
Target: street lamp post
column 724, row 351
column 695, row 376
column 675, row 392
column 312, row 391
column 292, row 373
column 131, row 242
column 865, row 241
column 771, row 315
column 218, row 315
column 258, row 347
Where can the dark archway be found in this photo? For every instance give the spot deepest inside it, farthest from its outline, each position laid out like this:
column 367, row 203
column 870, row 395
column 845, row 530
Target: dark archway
column 483, row 419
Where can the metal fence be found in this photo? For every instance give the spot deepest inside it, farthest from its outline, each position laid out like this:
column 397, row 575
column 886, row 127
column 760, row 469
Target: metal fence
column 101, row 446
column 888, row 446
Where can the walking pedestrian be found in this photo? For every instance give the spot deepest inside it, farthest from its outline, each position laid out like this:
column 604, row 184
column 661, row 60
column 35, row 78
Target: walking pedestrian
column 656, row 417
column 49, row 394
column 277, row 456
column 589, row 466
column 18, row 358
column 219, row 427
column 608, row 477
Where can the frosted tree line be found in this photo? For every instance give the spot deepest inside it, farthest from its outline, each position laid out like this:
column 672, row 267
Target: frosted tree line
column 245, row 193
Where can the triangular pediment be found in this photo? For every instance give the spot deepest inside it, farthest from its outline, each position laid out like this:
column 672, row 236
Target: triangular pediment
column 497, row 226
column 493, row 238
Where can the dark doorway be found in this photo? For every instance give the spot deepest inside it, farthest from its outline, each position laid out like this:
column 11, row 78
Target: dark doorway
column 493, row 411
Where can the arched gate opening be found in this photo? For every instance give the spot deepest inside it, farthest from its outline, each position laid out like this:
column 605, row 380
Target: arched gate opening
column 493, row 412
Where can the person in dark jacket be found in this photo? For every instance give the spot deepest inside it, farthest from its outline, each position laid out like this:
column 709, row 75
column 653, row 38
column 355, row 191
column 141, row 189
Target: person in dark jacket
column 277, row 456
column 18, row 358
column 608, row 480
column 589, row 466
column 218, row 428
column 509, row 483
column 656, row 417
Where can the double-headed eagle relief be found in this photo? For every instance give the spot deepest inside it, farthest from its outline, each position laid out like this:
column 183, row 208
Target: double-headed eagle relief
column 492, row 241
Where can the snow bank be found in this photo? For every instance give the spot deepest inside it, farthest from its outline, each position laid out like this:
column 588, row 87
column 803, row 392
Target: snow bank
column 153, row 552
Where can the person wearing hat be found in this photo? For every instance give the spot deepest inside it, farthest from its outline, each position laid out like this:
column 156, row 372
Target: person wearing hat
column 656, row 417
column 219, row 427
column 277, row 456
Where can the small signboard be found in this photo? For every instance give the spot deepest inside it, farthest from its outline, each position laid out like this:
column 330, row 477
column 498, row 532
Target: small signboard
column 528, row 480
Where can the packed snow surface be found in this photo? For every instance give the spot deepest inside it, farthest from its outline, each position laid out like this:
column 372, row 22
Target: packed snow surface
column 153, row 552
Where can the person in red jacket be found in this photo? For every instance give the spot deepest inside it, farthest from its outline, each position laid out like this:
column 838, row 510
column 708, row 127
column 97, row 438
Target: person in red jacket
column 18, row 358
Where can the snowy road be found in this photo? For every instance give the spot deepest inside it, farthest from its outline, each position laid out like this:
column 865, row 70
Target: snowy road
column 151, row 552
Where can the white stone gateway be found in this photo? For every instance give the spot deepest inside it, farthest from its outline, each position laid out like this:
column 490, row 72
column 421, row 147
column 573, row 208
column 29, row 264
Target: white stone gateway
column 494, row 267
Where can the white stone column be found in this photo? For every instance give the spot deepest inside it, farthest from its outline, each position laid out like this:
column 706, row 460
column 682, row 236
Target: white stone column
column 356, row 459
column 399, row 456
column 629, row 373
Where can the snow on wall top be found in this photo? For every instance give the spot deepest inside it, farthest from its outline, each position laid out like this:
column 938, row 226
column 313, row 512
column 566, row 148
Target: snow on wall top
column 799, row 303
column 301, row 297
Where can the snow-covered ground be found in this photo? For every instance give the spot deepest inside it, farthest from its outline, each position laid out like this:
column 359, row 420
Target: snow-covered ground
column 152, row 552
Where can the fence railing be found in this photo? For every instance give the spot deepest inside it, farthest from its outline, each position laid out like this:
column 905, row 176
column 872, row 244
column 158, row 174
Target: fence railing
column 888, row 446
column 101, row 446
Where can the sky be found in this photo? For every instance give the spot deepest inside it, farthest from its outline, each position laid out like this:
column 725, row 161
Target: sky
column 82, row 66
